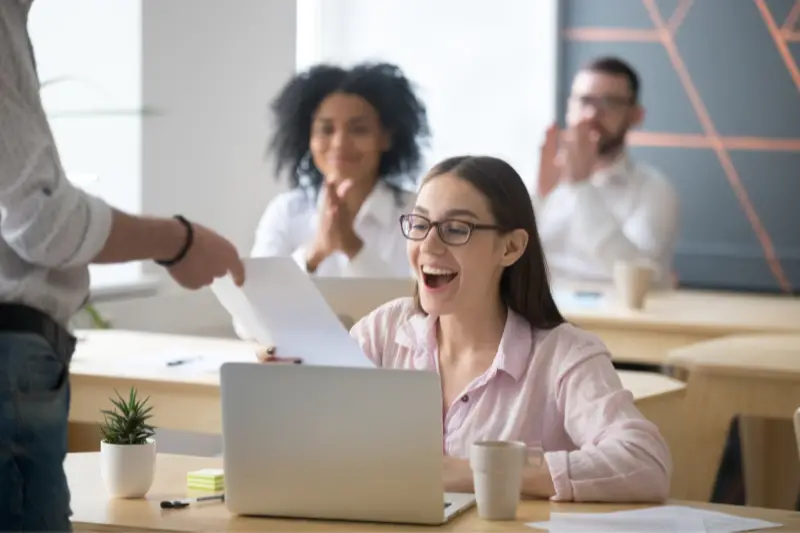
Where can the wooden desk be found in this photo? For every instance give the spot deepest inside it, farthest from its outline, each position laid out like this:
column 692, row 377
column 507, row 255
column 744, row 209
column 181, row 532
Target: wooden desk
column 185, row 400
column 93, row 510
column 672, row 319
column 755, row 377
column 108, row 360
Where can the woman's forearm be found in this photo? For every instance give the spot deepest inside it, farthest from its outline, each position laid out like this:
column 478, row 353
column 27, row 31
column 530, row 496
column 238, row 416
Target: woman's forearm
column 537, row 482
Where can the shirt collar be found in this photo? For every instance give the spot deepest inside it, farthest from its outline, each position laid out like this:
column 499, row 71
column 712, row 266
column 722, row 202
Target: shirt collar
column 513, row 354
column 379, row 206
column 615, row 172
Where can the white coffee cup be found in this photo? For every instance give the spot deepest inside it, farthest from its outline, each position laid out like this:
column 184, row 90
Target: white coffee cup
column 632, row 280
column 497, row 468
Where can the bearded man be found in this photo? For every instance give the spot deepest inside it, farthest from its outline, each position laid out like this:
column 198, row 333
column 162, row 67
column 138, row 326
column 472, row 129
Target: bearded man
column 594, row 204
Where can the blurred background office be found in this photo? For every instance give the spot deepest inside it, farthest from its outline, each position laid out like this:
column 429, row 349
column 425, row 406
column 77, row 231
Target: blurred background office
column 161, row 107
column 202, row 72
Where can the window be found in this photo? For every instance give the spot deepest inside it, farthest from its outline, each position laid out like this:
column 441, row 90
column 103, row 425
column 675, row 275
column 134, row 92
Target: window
column 88, row 55
column 487, row 71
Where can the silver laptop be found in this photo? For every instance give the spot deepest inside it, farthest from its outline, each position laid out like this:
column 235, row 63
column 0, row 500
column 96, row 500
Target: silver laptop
column 334, row 443
column 353, row 298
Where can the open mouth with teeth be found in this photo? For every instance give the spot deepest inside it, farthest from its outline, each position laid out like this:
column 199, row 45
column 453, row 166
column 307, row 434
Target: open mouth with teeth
column 437, row 278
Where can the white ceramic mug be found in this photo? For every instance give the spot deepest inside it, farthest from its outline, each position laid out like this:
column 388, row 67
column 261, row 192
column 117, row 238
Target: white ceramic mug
column 497, row 468
column 632, row 280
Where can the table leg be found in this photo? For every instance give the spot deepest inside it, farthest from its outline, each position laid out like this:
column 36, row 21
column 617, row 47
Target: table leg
column 770, row 461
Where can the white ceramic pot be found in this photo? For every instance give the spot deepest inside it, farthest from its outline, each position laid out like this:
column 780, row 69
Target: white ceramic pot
column 128, row 469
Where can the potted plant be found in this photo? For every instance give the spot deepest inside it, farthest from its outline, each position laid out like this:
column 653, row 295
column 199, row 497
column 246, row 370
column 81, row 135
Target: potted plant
column 128, row 450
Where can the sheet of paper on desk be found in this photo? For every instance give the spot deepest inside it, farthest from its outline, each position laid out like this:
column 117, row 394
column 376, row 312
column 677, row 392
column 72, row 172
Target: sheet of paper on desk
column 603, row 523
column 653, row 520
column 280, row 306
column 570, row 299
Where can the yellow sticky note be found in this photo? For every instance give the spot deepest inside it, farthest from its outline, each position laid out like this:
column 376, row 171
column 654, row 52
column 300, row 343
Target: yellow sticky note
column 206, row 479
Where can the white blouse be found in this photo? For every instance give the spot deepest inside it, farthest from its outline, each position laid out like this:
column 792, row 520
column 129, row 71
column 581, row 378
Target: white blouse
column 289, row 225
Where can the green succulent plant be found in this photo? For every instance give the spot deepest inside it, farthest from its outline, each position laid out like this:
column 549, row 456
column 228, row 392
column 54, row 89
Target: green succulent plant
column 97, row 319
column 127, row 423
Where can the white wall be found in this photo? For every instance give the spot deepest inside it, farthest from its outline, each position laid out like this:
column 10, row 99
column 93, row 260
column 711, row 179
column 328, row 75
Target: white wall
column 212, row 67
column 486, row 70
column 94, row 108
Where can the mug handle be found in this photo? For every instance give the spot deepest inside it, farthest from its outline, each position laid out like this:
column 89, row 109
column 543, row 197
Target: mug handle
column 535, row 455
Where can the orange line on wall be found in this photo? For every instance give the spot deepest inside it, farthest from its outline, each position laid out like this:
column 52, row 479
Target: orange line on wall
column 717, row 144
column 610, row 34
column 791, row 20
column 780, row 43
column 679, row 15
column 689, row 140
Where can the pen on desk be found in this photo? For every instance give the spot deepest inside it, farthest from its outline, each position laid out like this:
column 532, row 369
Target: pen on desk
column 178, row 362
column 275, row 359
column 180, row 504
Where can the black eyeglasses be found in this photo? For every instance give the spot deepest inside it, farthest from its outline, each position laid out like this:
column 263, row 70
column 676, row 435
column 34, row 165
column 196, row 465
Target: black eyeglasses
column 604, row 103
column 452, row 231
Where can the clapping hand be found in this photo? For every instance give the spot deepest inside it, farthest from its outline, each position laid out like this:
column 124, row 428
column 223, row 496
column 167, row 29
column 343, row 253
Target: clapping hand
column 335, row 230
column 549, row 162
column 580, row 151
column 569, row 156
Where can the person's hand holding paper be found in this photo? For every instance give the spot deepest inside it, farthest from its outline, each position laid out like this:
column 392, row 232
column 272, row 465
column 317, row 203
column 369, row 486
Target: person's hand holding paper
column 280, row 307
column 268, row 355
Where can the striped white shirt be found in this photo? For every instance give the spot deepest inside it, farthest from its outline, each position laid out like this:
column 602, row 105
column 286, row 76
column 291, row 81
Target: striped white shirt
column 49, row 229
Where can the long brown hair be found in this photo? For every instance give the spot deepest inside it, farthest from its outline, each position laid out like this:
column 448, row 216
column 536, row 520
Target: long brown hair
column 524, row 286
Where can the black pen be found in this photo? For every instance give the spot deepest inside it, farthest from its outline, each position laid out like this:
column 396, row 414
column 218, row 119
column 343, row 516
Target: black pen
column 178, row 362
column 180, row 504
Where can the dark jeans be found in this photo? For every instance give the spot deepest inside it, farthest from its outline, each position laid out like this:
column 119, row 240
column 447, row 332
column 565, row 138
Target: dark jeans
column 34, row 408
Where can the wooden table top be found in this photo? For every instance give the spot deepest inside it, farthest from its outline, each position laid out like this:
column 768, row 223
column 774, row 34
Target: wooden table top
column 713, row 313
column 753, row 356
column 139, row 357
column 145, row 356
column 94, row 510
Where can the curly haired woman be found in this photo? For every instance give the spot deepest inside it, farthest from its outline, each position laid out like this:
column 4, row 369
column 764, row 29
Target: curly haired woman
column 351, row 142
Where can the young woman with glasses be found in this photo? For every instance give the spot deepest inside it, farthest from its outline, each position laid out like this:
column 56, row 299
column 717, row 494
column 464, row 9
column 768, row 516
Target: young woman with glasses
column 511, row 367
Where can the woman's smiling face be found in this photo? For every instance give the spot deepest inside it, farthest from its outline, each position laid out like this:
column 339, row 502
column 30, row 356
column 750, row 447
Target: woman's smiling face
column 455, row 247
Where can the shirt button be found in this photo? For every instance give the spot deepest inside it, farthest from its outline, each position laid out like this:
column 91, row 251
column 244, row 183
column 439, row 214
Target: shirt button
column 465, row 398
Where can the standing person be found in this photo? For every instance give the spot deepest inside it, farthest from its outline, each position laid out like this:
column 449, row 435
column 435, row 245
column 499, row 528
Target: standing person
column 50, row 232
column 350, row 138
column 595, row 204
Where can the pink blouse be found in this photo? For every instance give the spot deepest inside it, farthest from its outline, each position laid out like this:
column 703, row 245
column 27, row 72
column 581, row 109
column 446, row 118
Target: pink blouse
column 555, row 387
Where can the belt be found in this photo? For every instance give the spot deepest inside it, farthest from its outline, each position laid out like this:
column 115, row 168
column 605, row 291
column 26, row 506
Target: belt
column 17, row 318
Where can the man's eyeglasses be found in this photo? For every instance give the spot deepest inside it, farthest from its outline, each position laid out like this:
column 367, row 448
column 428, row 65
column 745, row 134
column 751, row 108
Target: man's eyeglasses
column 451, row 231
column 603, row 103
